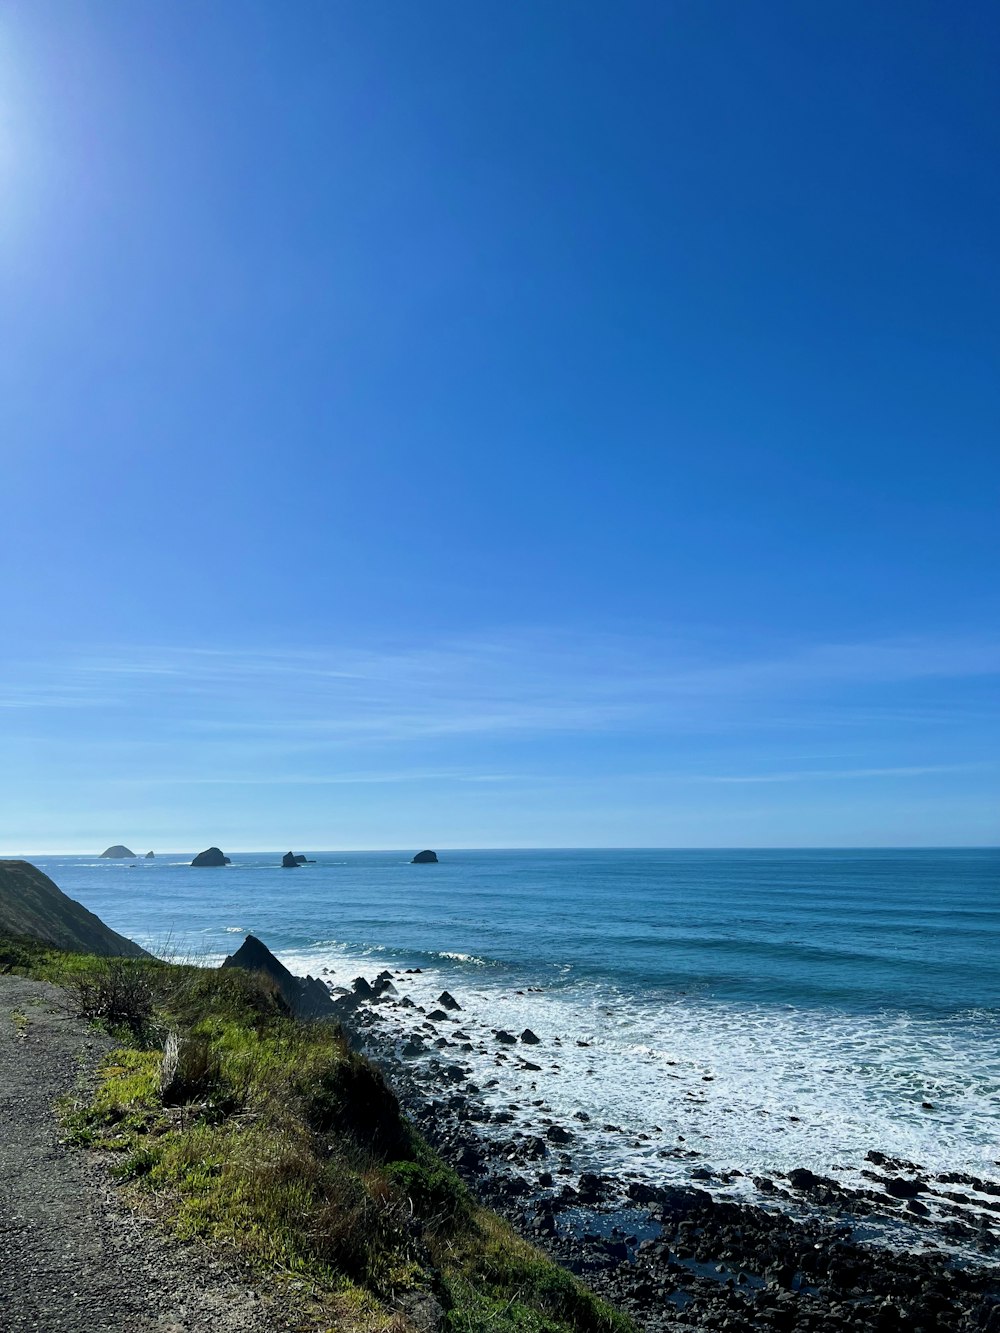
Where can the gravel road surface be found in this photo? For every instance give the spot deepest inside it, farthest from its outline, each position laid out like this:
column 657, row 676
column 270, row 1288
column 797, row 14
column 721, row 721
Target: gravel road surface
column 73, row 1259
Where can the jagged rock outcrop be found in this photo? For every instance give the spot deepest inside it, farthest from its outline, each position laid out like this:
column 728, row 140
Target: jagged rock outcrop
column 211, row 856
column 424, row 858
column 34, row 907
column 289, row 861
column 306, row 997
column 118, row 852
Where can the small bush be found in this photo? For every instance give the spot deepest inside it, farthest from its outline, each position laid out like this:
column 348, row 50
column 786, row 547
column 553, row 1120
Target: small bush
column 116, row 992
column 353, row 1100
column 435, row 1191
column 19, row 955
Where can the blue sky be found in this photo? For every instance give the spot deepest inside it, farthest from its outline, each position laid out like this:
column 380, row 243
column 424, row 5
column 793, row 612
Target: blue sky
column 487, row 424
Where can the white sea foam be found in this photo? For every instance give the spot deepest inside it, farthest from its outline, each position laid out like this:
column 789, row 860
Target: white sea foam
column 702, row 1083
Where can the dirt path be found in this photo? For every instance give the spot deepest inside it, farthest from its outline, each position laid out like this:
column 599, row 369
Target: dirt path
column 72, row 1258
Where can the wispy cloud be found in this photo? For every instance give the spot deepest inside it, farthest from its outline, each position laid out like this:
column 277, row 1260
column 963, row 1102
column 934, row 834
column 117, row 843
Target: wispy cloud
column 270, row 779
column 516, row 683
column 840, row 774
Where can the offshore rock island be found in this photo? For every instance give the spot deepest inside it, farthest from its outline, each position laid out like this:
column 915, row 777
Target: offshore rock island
column 212, row 856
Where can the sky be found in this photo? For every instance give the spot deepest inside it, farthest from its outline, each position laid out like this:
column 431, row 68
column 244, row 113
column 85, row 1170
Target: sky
column 499, row 424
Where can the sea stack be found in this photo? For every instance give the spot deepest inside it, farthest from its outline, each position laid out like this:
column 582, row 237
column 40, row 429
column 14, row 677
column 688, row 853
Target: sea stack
column 211, row 857
column 290, row 861
column 117, row 853
column 148, row 855
column 424, row 858
column 307, row 997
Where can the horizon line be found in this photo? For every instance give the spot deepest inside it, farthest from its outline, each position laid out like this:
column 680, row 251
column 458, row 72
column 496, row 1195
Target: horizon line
column 548, row 847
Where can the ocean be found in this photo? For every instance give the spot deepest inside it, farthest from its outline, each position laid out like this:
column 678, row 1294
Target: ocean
column 721, row 1011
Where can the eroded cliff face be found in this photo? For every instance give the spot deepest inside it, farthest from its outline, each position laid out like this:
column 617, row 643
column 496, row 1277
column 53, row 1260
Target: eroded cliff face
column 33, row 906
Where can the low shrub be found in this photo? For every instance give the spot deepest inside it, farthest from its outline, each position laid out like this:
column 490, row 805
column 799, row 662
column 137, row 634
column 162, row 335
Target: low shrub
column 434, row 1191
column 118, row 993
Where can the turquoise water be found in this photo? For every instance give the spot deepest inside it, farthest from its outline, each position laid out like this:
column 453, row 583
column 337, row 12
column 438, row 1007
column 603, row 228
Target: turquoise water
column 773, row 1009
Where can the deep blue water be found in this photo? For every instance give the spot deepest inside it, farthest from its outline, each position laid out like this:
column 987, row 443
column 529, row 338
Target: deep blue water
column 861, row 930
column 772, row 1008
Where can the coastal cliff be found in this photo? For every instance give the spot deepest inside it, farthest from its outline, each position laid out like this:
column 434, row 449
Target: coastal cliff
column 32, row 906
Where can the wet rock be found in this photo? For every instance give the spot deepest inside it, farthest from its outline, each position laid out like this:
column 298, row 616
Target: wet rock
column 903, row 1189
column 805, row 1180
column 448, row 1001
column 591, row 1187
column 557, row 1134
column 529, row 1038
column 506, row 1038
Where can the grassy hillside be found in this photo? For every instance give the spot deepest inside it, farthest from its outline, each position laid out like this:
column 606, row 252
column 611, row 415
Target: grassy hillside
column 31, row 905
column 260, row 1131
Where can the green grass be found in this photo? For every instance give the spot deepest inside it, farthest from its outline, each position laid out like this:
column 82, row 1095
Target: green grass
column 251, row 1129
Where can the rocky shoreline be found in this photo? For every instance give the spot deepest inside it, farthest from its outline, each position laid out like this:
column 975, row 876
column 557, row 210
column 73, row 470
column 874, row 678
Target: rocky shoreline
column 907, row 1250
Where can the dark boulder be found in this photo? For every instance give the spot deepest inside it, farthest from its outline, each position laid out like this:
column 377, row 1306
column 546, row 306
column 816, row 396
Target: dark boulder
column 424, row 858
column 591, row 1188
column 808, row 1182
column 803, row 1179
column 903, row 1189
column 118, row 852
column 529, row 1038
column 506, row 1038
column 211, row 857
column 448, row 1001
column 556, row 1134
column 641, row 1193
